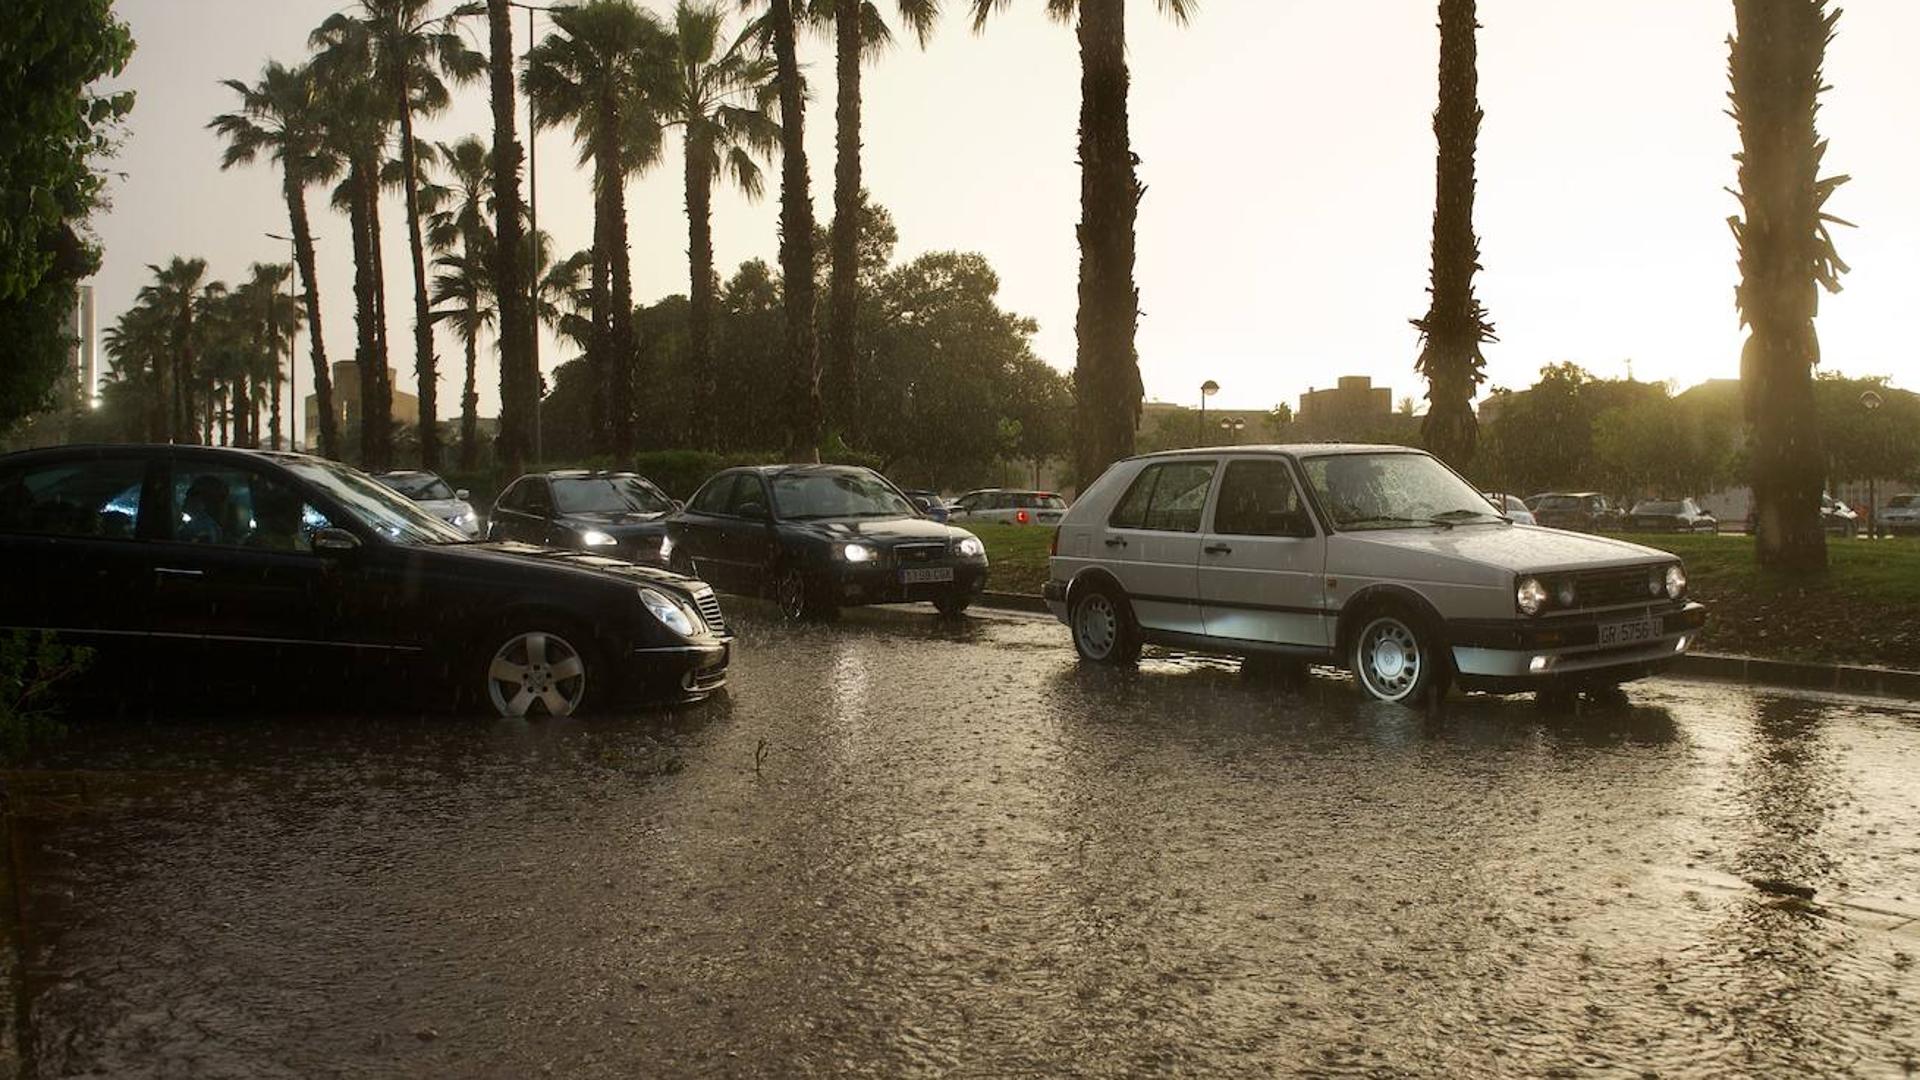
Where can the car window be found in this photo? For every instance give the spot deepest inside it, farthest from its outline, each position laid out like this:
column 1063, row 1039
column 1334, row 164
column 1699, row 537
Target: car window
column 608, row 494
column 714, row 495
column 535, row 500
column 73, row 498
column 1557, row 502
column 420, row 487
column 510, row 498
column 1051, row 502
column 1901, row 502
column 1258, row 498
column 1168, row 496
column 810, row 494
column 747, row 491
column 228, row 506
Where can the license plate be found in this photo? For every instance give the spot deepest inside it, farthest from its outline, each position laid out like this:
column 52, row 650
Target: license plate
column 1627, row 633
column 926, row 576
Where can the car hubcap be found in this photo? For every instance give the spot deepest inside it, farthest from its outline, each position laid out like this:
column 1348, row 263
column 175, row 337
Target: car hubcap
column 793, row 594
column 536, row 669
column 1097, row 626
column 1389, row 659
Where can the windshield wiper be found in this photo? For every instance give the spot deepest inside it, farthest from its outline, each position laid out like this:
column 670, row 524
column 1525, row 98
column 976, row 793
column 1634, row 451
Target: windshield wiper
column 1470, row 512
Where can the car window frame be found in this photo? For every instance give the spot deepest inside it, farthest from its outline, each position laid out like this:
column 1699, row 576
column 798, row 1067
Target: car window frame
column 152, row 486
column 1211, row 524
column 161, row 475
column 537, row 484
column 1206, row 505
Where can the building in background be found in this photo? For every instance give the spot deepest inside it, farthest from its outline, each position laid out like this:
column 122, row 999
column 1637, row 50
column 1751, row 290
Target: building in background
column 1353, row 399
column 346, row 403
column 83, row 389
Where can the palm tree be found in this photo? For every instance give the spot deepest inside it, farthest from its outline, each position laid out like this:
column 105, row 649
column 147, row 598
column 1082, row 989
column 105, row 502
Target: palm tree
column 859, row 31
column 600, row 70
column 137, row 349
column 281, row 116
column 1455, row 325
column 177, row 291
column 1106, row 374
column 1786, row 256
column 273, row 317
column 519, row 376
column 458, row 230
column 718, row 98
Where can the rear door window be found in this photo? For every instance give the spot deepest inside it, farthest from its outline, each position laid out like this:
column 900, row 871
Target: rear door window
column 1168, row 496
column 98, row 498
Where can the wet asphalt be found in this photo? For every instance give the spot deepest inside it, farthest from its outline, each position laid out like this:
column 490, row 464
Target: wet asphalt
column 904, row 846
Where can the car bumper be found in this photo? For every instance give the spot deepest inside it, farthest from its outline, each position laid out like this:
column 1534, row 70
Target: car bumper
column 683, row 672
column 1055, row 594
column 883, row 585
column 1512, row 655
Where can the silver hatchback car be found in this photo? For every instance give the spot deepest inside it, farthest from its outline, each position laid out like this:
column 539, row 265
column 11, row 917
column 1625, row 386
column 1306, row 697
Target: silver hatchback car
column 1379, row 559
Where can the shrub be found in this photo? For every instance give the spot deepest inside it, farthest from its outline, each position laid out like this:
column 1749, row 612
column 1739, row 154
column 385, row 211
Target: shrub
column 32, row 665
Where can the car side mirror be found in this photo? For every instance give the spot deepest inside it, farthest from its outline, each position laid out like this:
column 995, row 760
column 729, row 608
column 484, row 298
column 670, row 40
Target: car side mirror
column 755, row 510
column 332, row 541
column 462, row 495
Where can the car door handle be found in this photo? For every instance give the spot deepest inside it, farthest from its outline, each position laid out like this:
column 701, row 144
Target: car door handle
column 1115, row 541
column 170, row 571
column 1218, row 549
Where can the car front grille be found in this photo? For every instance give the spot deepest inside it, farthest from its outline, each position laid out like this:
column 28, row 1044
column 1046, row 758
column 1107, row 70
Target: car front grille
column 908, row 554
column 1612, row 587
column 709, row 606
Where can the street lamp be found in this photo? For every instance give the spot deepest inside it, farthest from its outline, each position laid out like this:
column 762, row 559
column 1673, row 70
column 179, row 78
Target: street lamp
column 293, row 337
column 1233, row 427
column 1207, row 390
column 1870, row 401
column 533, row 227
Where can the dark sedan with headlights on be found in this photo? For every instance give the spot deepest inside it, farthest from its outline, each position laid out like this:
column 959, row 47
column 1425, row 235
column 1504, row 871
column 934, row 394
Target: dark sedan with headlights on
column 816, row 538
column 617, row 514
column 204, row 576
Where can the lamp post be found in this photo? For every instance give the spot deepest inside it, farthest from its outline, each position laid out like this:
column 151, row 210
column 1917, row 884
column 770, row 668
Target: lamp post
column 1207, row 390
column 1233, row 427
column 533, row 230
column 1870, row 401
column 293, row 337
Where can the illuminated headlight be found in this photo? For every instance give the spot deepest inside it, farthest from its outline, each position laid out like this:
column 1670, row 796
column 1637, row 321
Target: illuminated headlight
column 671, row 614
column 596, row 538
column 1676, row 581
column 858, row 553
column 970, row 547
column 1530, row 596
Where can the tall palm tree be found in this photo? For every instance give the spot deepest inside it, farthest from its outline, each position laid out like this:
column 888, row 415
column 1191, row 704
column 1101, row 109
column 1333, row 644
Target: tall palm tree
column 177, row 291
column 281, row 116
column 859, row 31
column 1786, row 256
column 601, row 70
column 1106, row 374
column 1455, row 324
column 137, row 350
column 273, row 317
column 719, row 98
column 408, row 55
column 519, row 375
column 464, row 291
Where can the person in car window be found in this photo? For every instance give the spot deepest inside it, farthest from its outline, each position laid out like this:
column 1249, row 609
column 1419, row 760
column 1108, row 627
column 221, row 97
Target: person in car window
column 204, row 511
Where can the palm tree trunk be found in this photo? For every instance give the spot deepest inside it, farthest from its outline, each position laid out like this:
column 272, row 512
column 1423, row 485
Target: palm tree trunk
column 425, row 364
column 378, row 411
column 843, row 290
column 1106, row 371
column 1455, row 324
column 364, row 313
column 600, row 348
column 796, row 244
column 626, row 346
column 470, row 400
column 1784, row 258
column 519, row 382
column 329, row 433
column 273, row 423
column 700, row 289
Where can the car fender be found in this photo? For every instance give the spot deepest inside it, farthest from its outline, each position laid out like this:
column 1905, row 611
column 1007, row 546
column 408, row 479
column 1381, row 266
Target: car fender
column 1093, row 576
column 1371, row 597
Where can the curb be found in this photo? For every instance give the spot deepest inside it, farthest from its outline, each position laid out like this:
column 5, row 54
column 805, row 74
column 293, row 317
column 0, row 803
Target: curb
column 1792, row 674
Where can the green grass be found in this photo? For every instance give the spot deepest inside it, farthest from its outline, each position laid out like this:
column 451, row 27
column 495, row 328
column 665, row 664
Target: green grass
column 1864, row 610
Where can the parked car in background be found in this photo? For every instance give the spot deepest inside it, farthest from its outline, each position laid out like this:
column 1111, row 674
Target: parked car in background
column 1511, row 506
column 816, row 538
column 1010, row 507
column 618, row 514
column 1670, row 516
column 1901, row 515
column 206, row 575
column 1583, row 511
column 435, row 497
column 928, row 502
column 1377, row 558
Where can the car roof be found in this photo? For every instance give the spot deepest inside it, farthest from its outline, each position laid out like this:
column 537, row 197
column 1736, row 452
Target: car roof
column 803, row 467
column 586, row 474
column 1291, row 449
column 193, row 449
column 1568, row 495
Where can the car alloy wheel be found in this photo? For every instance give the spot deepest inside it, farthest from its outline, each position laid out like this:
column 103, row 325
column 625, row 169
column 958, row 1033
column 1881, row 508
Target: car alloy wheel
column 1390, row 659
column 537, row 668
column 790, row 593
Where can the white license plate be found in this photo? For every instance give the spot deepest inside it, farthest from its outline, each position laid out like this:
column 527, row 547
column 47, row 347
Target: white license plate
column 926, row 576
column 1627, row 633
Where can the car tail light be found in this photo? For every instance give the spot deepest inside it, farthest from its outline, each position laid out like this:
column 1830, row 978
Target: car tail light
column 1021, row 517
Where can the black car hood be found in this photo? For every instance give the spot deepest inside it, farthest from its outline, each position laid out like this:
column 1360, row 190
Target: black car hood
column 508, row 551
column 877, row 530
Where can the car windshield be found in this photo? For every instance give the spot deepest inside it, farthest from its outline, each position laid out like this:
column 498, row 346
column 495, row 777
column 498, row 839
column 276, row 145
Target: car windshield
column 376, row 505
column 804, row 495
column 608, row 495
column 420, row 487
column 1657, row 508
column 1393, row 490
column 1558, row 502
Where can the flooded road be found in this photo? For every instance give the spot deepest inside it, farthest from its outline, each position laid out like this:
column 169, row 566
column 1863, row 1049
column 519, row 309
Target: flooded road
column 909, row 847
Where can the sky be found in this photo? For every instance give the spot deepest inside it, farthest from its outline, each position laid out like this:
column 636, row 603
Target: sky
column 1288, row 154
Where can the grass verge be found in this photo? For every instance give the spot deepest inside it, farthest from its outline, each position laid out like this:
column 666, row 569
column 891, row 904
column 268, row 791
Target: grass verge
column 1864, row 610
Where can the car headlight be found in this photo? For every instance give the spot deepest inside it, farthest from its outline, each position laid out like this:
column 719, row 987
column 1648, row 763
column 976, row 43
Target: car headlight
column 596, row 538
column 1676, row 581
column 858, row 553
column 1530, row 595
column 970, row 547
column 671, row 614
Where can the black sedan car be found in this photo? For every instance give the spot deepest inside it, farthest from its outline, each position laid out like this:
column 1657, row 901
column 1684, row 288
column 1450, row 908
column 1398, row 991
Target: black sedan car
column 1670, row 516
column 819, row 537
column 204, row 575
column 618, row 514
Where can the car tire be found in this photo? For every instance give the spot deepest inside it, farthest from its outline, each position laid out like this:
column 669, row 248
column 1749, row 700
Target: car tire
column 797, row 597
column 953, row 603
column 1397, row 658
column 538, row 666
column 1103, row 627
